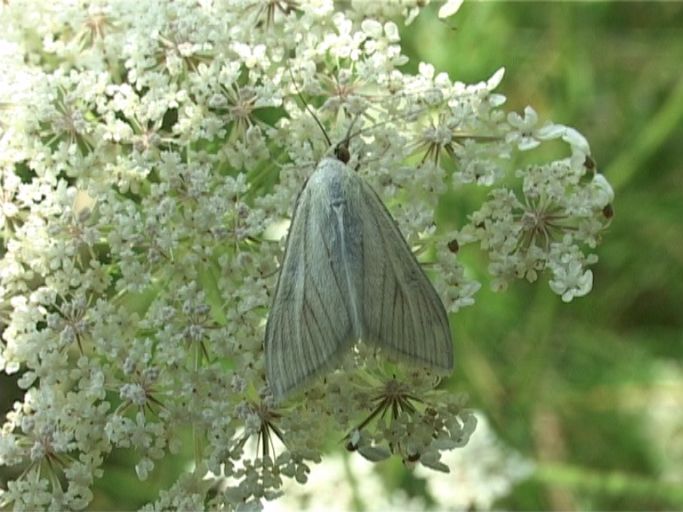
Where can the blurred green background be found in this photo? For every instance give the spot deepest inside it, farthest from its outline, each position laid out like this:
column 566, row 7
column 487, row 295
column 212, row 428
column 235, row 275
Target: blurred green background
column 591, row 391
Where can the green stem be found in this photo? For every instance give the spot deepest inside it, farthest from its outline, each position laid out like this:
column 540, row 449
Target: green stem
column 353, row 484
column 613, row 483
column 648, row 140
column 197, row 438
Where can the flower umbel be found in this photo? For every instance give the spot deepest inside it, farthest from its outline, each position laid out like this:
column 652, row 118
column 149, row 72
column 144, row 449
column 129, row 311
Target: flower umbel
column 412, row 419
column 147, row 155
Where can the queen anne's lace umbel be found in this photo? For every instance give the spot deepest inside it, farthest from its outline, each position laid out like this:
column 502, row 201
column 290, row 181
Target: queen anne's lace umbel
column 148, row 150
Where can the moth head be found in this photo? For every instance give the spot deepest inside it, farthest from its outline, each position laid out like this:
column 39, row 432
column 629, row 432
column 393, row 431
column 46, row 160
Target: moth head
column 341, row 151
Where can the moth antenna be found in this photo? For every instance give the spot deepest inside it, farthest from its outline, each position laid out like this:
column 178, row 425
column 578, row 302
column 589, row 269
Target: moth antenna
column 309, row 109
column 423, row 109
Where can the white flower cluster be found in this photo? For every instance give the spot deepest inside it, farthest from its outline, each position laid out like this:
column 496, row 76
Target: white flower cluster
column 481, row 472
column 552, row 212
column 144, row 151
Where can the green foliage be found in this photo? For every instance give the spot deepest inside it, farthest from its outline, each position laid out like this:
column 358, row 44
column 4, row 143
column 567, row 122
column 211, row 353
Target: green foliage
column 571, row 386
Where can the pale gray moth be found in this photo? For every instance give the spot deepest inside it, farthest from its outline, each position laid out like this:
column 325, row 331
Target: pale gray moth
column 348, row 275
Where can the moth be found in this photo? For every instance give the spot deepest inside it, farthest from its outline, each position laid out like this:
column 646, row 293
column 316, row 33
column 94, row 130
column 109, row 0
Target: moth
column 348, row 275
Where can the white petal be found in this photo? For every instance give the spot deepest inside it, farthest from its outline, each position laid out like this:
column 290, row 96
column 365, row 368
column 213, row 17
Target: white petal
column 449, row 8
column 495, row 79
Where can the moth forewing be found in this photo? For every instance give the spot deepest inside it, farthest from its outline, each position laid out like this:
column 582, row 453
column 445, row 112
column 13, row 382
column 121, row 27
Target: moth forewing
column 314, row 317
column 348, row 275
column 403, row 314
